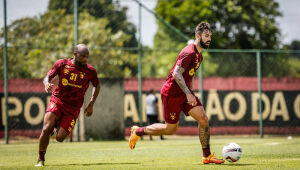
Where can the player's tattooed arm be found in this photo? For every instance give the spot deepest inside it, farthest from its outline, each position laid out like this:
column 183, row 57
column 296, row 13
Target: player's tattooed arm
column 177, row 74
column 191, row 86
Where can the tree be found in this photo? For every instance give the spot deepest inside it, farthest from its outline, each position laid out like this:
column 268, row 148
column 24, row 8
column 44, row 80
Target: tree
column 116, row 15
column 294, row 57
column 39, row 41
column 236, row 24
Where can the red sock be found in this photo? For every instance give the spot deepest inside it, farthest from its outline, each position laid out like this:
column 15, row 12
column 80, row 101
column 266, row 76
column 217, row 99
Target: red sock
column 206, row 151
column 42, row 155
column 140, row 131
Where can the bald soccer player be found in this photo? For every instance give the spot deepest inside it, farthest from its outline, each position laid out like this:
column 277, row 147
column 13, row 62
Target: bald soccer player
column 67, row 98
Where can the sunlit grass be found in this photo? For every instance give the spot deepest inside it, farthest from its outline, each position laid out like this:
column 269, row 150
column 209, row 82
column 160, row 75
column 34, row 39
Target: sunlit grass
column 173, row 153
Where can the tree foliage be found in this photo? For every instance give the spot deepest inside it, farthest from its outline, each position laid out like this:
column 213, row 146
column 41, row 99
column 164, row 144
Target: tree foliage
column 236, row 24
column 116, row 15
column 36, row 43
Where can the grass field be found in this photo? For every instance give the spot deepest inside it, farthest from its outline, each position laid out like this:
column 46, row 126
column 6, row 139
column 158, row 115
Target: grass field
column 174, row 153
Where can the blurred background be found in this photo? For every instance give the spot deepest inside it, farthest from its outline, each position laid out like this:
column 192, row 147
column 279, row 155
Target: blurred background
column 249, row 81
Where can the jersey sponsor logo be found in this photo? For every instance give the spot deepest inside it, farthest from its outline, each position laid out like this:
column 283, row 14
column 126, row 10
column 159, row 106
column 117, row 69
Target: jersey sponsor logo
column 173, row 116
column 192, row 72
column 65, row 82
column 197, row 66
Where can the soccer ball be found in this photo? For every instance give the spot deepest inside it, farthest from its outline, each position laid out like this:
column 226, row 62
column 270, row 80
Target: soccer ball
column 232, row 152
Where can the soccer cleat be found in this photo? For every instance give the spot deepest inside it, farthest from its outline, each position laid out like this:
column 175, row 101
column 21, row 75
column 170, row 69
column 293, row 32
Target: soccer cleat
column 212, row 159
column 40, row 163
column 133, row 137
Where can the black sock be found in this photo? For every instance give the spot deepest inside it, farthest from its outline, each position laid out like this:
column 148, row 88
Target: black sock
column 42, row 155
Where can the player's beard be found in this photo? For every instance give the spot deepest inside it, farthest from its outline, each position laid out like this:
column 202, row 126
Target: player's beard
column 203, row 45
column 79, row 63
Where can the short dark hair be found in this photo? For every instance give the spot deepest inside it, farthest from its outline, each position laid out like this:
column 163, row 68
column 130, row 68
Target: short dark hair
column 151, row 91
column 201, row 27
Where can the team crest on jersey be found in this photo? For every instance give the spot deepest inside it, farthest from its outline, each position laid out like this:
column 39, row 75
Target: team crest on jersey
column 173, row 116
column 82, row 75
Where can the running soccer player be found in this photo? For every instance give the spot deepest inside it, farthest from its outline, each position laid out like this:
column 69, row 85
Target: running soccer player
column 177, row 96
column 67, row 99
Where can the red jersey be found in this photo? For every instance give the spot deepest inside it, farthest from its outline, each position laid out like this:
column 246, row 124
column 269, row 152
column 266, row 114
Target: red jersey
column 73, row 82
column 190, row 59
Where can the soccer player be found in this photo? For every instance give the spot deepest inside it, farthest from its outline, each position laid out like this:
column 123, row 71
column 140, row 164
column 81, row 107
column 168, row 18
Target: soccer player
column 177, row 96
column 67, row 98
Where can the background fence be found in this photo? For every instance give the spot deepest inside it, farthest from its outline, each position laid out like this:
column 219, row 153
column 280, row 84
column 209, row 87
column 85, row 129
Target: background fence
column 228, row 84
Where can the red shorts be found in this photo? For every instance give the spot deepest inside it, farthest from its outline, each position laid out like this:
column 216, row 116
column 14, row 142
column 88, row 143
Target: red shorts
column 66, row 117
column 172, row 106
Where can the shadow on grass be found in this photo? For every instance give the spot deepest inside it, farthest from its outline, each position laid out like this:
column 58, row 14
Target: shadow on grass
column 104, row 163
column 233, row 164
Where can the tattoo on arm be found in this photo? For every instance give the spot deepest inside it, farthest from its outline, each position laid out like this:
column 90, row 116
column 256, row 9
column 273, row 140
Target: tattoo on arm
column 177, row 74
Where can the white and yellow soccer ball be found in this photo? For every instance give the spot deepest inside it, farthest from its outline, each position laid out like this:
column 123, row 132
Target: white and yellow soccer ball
column 232, row 152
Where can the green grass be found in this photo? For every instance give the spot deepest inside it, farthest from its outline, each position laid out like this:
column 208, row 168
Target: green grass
column 173, row 153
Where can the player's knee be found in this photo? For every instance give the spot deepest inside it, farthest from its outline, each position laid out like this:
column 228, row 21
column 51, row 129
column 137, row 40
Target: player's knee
column 205, row 119
column 203, row 122
column 47, row 130
column 60, row 138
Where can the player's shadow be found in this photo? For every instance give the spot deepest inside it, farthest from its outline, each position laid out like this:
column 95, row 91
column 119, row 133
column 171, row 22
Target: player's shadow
column 104, row 163
column 233, row 164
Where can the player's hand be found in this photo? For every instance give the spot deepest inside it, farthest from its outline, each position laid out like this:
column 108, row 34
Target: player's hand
column 49, row 87
column 89, row 110
column 191, row 100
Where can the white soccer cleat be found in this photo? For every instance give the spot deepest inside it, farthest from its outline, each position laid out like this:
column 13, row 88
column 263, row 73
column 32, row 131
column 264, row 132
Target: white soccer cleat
column 40, row 163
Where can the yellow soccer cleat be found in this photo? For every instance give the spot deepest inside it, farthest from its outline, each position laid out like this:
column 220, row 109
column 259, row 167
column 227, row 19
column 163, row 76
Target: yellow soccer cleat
column 133, row 137
column 212, row 159
column 40, row 163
